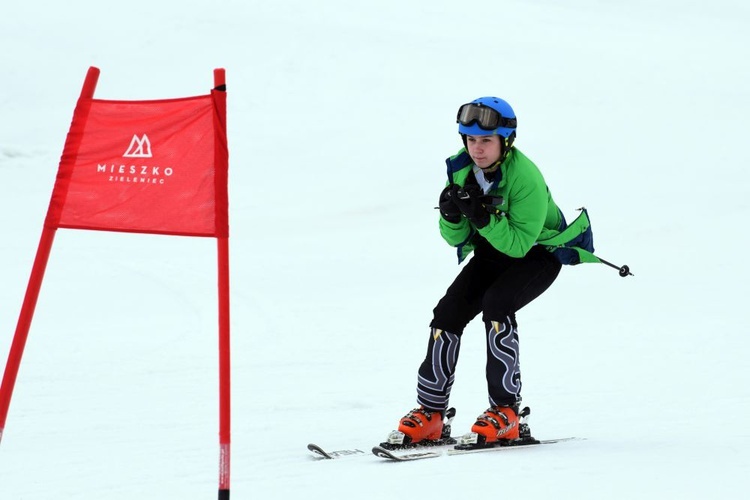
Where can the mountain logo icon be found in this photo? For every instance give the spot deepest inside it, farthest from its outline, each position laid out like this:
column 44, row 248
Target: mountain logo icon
column 140, row 147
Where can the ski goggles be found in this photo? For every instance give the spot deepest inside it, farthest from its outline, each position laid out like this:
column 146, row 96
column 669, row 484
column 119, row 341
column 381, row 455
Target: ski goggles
column 484, row 116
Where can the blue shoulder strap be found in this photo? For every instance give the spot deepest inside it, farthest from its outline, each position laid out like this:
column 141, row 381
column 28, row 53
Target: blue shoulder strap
column 457, row 162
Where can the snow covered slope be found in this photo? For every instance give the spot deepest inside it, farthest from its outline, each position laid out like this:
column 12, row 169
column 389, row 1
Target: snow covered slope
column 340, row 117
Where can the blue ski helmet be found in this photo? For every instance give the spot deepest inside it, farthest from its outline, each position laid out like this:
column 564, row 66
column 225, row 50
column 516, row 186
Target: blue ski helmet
column 487, row 116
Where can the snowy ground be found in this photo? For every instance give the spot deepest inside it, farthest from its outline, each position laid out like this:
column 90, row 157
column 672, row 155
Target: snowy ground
column 340, row 117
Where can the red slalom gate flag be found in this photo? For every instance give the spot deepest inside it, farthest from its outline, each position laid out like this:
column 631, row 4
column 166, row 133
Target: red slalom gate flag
column 155, row 166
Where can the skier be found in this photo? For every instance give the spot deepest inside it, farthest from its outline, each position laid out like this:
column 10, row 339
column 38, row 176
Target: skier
column 497, row 205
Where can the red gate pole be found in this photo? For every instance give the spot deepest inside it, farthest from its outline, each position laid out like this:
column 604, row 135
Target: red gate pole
column 224, row 372
column 35, row 280
column 224, row 345
column 24, row 323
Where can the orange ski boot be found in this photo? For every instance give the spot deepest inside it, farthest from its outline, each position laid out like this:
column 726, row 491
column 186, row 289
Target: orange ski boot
column 421, row 424
column 497, row 423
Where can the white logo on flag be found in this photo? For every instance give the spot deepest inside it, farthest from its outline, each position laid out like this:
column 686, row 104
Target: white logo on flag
column 140, row 147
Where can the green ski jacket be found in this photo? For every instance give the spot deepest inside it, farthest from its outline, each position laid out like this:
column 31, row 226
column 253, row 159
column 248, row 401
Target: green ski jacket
column 526, row 215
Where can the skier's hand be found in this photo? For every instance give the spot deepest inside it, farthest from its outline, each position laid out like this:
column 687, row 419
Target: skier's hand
column 468, row 201
column 448, row 208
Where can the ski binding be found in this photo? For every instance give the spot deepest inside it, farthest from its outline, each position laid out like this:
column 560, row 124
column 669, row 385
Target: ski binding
column 398, row 441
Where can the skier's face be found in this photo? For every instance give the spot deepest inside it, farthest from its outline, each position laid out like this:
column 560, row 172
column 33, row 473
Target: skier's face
column 483, row 149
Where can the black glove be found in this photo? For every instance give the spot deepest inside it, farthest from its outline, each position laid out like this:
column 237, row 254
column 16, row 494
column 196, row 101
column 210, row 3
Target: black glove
column 448, row 208
column 469, row 201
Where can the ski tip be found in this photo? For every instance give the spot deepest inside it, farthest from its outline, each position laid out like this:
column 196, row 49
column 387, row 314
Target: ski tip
column 381, row 452
column 318, row 451
column 332, row 454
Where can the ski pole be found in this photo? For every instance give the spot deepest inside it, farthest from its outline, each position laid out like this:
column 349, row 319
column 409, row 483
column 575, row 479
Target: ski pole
column 624, row 270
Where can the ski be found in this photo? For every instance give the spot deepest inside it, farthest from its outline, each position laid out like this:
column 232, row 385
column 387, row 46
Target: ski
column 384, row 450
column 503, row 445
column 398, row 449
column 396, row 443
column 334, row 454
column 381, row 452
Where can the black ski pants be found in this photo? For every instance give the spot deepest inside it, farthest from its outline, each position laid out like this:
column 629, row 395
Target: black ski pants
column 497, row 286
